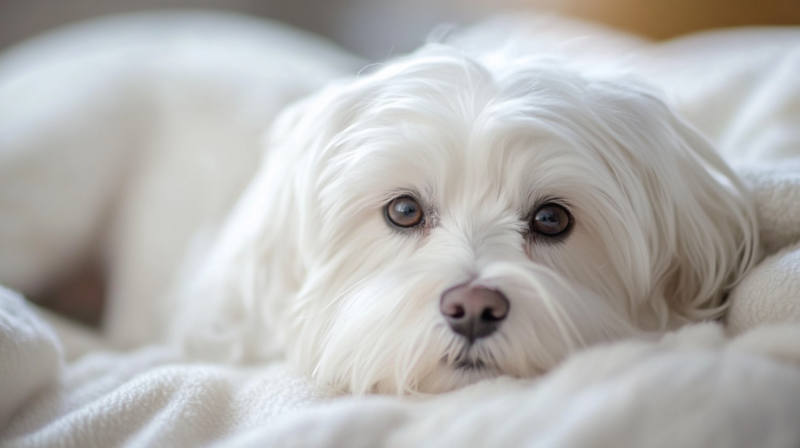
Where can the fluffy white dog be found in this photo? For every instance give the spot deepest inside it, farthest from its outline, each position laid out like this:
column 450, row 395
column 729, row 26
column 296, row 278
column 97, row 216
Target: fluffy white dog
column 445, row 220
column 452, row 217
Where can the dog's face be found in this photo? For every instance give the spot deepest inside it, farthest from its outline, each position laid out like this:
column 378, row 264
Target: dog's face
column 439, row 222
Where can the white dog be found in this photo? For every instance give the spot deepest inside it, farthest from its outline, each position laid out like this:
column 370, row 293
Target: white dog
column 452, row 217
column 444, row 220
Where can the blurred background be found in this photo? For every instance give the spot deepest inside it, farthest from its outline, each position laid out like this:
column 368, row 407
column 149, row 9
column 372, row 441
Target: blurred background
column 377, row 28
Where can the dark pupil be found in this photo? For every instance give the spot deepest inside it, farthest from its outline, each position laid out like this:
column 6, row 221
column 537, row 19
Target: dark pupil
column 548, row 218
column 406, row 210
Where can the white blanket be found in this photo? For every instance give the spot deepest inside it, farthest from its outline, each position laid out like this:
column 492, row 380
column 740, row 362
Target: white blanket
column 695, row 388
column 692, row 389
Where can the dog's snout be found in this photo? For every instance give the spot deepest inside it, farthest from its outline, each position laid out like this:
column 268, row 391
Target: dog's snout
column 473, row 311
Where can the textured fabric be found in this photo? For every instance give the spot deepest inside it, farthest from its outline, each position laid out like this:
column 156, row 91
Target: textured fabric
column 770, row 293
column 30, row 355
column 691, row 389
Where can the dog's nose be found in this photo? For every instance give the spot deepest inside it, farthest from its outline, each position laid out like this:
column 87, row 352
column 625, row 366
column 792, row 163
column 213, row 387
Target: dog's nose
column 473, row 311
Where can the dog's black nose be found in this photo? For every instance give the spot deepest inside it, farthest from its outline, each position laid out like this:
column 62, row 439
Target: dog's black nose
column 473, row 311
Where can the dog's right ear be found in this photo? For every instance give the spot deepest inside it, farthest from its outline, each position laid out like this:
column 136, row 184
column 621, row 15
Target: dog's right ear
column 232, row 304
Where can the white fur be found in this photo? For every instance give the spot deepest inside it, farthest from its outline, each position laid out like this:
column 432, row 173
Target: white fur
column 307, row 264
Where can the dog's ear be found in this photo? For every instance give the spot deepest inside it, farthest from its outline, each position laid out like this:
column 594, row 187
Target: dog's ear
column 231, row 304
column 705, row 233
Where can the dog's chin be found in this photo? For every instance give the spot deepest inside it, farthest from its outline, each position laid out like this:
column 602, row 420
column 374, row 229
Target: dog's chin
column 468, row 367
column 448, row 375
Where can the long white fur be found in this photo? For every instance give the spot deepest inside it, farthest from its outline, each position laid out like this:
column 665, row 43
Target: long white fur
column 307, row 264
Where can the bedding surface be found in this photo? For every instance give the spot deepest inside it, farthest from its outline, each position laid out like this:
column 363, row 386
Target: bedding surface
column 704, row 386
column 694, row 388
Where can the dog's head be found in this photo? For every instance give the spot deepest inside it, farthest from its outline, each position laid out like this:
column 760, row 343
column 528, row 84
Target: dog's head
column 441, row 221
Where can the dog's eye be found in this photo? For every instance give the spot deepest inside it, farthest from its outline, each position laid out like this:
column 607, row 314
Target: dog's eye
column 550, row 220
column 404, row 212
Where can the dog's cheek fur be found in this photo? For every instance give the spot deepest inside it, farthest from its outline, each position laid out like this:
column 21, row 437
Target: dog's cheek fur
column 231, row 305
column 701, row 230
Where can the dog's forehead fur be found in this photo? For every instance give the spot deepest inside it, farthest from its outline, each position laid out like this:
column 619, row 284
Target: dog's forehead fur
column 452, row 133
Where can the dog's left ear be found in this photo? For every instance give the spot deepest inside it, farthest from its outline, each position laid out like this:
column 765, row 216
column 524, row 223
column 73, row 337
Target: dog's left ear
column 232, row 303
column 703, row 217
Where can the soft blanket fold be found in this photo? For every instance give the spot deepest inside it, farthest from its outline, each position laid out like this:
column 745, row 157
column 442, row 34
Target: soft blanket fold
column 30, row 355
